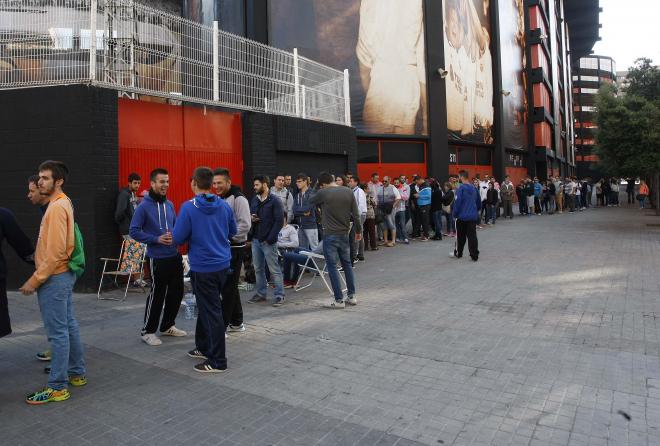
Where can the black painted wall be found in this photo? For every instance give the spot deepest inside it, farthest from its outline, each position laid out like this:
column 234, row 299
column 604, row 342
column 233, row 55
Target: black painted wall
column 76, row 125
column 273, row 144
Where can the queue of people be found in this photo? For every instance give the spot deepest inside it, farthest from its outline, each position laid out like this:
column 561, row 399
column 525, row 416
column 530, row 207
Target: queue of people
column 266, row 238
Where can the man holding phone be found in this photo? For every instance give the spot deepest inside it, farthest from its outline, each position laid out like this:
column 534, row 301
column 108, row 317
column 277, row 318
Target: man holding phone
column 152, row 224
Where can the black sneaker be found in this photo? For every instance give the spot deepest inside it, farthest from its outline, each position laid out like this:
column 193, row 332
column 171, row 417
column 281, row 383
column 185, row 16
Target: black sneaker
column 205, row 367
column 256, row 298
column 196, row 354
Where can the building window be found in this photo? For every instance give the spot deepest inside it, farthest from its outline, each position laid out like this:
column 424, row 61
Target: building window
column 589, row 63
column 367, row 152
column 484, row 156
column 606, row 65
column 465, row 155
column 402, row 152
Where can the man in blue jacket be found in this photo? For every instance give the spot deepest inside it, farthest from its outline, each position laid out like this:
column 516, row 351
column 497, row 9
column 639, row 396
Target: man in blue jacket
column 207, row 223
column 152, row 224
column 466, row 212
column 267, row 221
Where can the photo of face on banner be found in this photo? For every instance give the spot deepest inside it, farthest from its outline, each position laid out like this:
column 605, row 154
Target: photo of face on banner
column 381, row 42
column 513, row 62
column 469, row 83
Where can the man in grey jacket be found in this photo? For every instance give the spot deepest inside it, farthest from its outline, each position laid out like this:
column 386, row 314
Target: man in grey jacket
column 285, row 196
column 232, row 310
column 338, row 206
column 507, row 192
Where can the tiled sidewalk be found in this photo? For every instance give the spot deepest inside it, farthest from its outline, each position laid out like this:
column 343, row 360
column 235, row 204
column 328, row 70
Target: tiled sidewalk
column 552, row 338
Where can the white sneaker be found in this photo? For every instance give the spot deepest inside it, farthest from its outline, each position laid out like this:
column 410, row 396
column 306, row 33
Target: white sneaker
column 351, row 301
column 335, row 305
column 236, row 328
column 173, row 331
column 151, row 339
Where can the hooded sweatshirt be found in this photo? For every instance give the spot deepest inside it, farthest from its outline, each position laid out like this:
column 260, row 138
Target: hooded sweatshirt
column 154, row 217
column 241, row 207
column 467, row 204
column 207, row 222
column 302, row 206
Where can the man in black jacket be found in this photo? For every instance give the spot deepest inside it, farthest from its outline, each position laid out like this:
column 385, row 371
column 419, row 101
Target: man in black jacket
column 267, row 220
column 126, row 203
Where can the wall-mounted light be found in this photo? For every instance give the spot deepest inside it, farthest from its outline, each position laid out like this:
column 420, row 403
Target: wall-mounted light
column 506, row 93
column 443, row 73
column 543, row 36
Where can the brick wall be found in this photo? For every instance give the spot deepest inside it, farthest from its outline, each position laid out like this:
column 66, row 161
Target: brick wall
column 74, row 124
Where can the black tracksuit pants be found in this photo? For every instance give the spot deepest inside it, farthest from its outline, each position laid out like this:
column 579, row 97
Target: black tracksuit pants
column 467, row 230
column 210, row 328
column 166, row 288
column 232, row 309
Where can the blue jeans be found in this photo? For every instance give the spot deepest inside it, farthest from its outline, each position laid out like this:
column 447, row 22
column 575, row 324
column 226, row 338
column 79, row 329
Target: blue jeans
column 437, row 223
column 400, row 218
column 451, row 224
column 490, row 213
column 291, row 261
column 308, row 238
column 210, row 329
column 335, row 249
column 56, row 305
column 262, row 255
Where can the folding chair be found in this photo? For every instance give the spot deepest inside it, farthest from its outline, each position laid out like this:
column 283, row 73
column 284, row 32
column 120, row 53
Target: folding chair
column 312, row 264
column 131, row 261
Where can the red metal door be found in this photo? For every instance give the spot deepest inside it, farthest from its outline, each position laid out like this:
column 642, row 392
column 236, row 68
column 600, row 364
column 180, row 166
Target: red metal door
column 177, row 138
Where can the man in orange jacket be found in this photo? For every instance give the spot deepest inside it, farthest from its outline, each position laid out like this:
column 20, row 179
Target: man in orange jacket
column 53, row 281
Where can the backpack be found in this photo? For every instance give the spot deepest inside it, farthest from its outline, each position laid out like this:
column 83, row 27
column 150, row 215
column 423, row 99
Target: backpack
column 77, row 260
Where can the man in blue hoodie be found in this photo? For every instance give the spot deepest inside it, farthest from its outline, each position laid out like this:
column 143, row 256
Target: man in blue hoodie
column 305, row 214
column 207, row 223
column 152, row 224
column 466, row 212
column 267, row 220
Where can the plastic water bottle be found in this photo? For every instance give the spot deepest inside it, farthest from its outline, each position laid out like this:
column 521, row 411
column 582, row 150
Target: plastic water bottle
column 190, row 306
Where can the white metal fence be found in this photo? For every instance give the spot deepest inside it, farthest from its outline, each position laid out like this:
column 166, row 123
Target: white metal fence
column 131, row 47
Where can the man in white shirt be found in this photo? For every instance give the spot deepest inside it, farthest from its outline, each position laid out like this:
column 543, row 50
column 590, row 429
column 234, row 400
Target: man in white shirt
column 483, row 192
column 388, row 201
column 361, row 199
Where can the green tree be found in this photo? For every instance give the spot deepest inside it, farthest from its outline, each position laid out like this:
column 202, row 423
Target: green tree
column 628, row 137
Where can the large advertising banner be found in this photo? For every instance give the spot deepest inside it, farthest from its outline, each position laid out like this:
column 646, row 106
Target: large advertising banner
column 469, row 80
column 381, row 42
column 514, row 80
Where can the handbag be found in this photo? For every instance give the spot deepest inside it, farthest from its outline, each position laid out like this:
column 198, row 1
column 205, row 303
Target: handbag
column 380, row 217
column 386, row 208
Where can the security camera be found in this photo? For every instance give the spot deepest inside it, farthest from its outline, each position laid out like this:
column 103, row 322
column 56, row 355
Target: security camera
column 543, row 37
column 443, row 73
column 506, row 92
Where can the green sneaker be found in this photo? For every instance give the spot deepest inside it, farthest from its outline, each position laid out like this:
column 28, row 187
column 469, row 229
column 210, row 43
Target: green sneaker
column 77, row 381
column 47, row 395
column 44, row 355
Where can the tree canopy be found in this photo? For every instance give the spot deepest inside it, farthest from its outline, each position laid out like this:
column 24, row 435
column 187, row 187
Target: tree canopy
column 628, row 137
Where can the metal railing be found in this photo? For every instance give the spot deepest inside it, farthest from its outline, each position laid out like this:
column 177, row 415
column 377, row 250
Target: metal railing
column 125, row 45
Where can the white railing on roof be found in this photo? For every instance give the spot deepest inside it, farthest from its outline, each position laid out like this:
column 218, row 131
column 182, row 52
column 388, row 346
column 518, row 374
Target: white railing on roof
column 139, row 49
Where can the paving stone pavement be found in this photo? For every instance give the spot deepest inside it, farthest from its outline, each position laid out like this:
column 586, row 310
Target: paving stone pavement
column 552, row 338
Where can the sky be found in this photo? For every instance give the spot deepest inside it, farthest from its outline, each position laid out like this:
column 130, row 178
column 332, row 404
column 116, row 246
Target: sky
column 630, row 30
